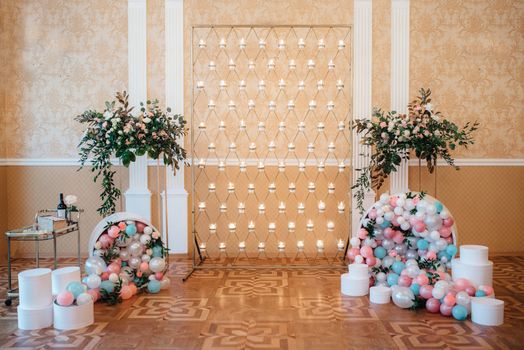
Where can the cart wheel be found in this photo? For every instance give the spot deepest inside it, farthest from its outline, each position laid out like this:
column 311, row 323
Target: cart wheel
column 8, row 302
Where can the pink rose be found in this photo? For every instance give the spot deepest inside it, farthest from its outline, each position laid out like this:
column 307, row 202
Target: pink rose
column 383, row 124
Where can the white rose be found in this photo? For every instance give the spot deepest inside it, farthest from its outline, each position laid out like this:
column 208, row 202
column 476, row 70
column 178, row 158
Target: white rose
column 435, row 117
column 406, row 133
column 428, row 107
column 70, row 199
column 147, row 120
column 437, row 132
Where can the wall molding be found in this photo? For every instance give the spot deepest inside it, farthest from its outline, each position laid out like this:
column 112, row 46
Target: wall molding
column 53, row 162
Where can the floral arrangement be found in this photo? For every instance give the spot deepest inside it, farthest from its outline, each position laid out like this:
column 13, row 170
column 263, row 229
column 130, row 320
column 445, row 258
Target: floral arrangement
column 393, row 136
column 407, row 241
column 118, row 132
column 129, row 257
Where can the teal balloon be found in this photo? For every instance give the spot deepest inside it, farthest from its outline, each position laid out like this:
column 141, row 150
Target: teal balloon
column 131, row 230
column 385, row 224
column 451, row 250
column 153, row 287
column 459, row 312
column 157, row 251
column 415, row 288
column 398, row 266
column 380, row 252
column 392, row 279
column 76, row 288
column 108, row 286
column 480, row 293
column 439, row 206
column 422, row 244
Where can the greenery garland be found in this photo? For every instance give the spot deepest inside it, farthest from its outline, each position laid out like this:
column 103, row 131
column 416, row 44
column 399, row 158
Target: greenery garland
column 392, row 136
column 118, row 132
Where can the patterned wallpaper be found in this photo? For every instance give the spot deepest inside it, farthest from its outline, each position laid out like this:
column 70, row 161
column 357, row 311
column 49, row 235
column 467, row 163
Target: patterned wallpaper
column 63, row 57
column 471, row 54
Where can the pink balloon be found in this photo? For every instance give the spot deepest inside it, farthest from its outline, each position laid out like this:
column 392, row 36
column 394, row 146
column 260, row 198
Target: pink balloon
column 392, row 253
column 393, row 201
column 431, row 255
column 113, row 231
column 389, row 233
column 404, row 272
column 445, row 309
column 133, row 288
column 372, row 214
column 413, row 221
column 122, row 225
column 105, row 241
column 144, row 266
column 65, row 298
column 399, row 237
column 461, row 284
column 433, row 305
column 394, row 221
column 416, row 200
column 470, row 290
column 486, row 289
column 445, row 232
column 404, row 281
column 94, row 293
column 113, row 268
column 450, row 299
column 426, row 291
column 159, row 276
column 104, row 276
column 352, row 253
column 449, row 240
column 448, row 222
column 420, row 226
column 140, row 226
column 422, row 279
column 371, row 261
column 362, row 234
column 126, row 292
column 366, row 251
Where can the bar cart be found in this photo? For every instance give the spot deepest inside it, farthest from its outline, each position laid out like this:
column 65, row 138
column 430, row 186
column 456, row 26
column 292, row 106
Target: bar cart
column 34, row 234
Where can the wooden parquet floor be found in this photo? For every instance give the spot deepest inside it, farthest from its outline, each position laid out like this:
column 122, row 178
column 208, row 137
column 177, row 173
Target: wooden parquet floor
column 271, row 309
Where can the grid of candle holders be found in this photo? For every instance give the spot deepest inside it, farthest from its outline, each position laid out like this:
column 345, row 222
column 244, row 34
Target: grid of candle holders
column 270, row 145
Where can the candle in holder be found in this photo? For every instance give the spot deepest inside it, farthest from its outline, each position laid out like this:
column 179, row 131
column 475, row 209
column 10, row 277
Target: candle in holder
column 282, row 208
column 341, row 207
column 310, row 147
column 331, row 65
column 211, row 187
column 301, row 85
column 222, row 125
column 222, row 246
column 231, row 64
column 271, row 147
column 272, row 105
column 212, row 228
column 202, row 126
column 242, row 166
column 341, row 44
column 211, row 105
column 261, row 208
column 282, row 126
column 261, row 85
column 292, row 64
column 261, row 126
column 290, row 105
column 251, row 226
column 211, row 147
column 231, row 187
column 301, row 166
column 232, row 227
column 201, row 44
column 310, row 225
column 301, row 208
column 212, row 65
column 312, row 105
column 320, row 245
column 341, row 167
column 301, row 126
column 242, row 84
column 201, row 164
column 261, row 246
column 271, row 227
column 242, row 245
column 310, row 64
column 311, row 187
column 232, row 146
column 321, row 206
column 281, row 246
column 271, row 63
column 320, row 127
column 331, row 188
column 250, row 104
column 281, row 166
column 291, row 226
column 340, row 244
column 242, row 44
column 330, row 225
column 321, row 166
column 231, row 105
column 281, row 44
column 341, row 126
column 202, row 246
column 300, row 245
column 340, row 84
column 250, row 188
column 251, row 65
column 202, row 206
column 262, row 44
column 242, row 124
column 292, row 187
column 320, row 84
column 223, row 207
column 281, row 84
column 330, row 105
column 252, row 147
column 241, row 208
column 321, row 44
column 272, row 187
column 291, row 146
column 331, row 147
column 222, row 44
column 301, row 43
column 261, row 166
column 200, row 85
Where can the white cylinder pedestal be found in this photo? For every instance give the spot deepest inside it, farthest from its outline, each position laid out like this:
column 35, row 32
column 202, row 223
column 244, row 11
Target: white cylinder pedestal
column 31, row 319
column 474, row 254
column 487, row 311
column 73, row 316
column 354, row 286
column 480, row 274
column 34, row 287
column 63, row 276
column 379, row 295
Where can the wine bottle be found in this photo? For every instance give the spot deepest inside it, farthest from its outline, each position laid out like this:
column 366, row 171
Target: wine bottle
column 61, row 208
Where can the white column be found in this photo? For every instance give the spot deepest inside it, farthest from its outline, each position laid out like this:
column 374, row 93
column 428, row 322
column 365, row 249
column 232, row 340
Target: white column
column 177, row 196
column 138, row 196
column 399, row 78
column 362, row 64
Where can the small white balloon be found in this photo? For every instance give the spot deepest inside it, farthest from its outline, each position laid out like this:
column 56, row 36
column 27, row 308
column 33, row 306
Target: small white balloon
column 405, row 226
column 145, row 239
column 384, row 198
column 444, row 214
column 157, row 264
column 84, row 298
column 146, row 258
column 438, row 293
column 93, row 281
column 434, row 236
column 152, row 277
column 398, row 211
column 148, row 230
column 135, row 249
column 355, row 242
column 113, row 277
column 359, row 259
column 380, row 220
column 381, row 277
column 164, row 284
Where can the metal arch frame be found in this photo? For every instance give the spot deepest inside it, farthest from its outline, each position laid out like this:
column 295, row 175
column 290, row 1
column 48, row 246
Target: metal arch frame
column 198, row 265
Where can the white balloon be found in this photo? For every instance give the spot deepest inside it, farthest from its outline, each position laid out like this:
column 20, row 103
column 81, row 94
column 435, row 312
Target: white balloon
column 84, row 298
column 444, row 285
column 413, row 271
column 148, row 230
column 157, row 264
column 463, row 299
column 381, row 277
column 400, row 202
column 145, row 239
column 402, row 297
column 423, row 234
column 388, row 261
column 431, row 209
column 93, row 281
column 401, row 220
column 420, row 215
column 380, row 212
column 124, row 255
column 438, row 293
column 441, row 244
column 164, row 284
column 444, row 214
column 402, row 197
column 384, row 198
column 95, row 264
column 409, row 204
column 152, row 277
column 434, row 235
column 389, row 216
column 134, row 262
column 135, row 249
column 355, row 242
column 380, row 220
column 359, row 259
column 113, row 277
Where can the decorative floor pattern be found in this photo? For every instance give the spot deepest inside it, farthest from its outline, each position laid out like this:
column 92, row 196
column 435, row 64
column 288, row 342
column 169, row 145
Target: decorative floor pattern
column 269, row 309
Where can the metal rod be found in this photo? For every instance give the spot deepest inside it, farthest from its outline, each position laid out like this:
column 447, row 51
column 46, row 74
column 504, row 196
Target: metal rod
column 266, row 25
column 54, row 249
column 9, row 286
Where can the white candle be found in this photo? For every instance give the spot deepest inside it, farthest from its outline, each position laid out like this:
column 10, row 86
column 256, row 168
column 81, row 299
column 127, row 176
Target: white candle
column 261, row 166
column 341, row 207
column 331, row 147
column 252, row 147
column 310, row 64
column 202, row 246
column 242, row 125
column 272, row 105
column 330, row 105
column 290, row 104
column 242, row 85
column 202, row 126
column 281, row 84
column 232, row 226
column 242, row 245
column 271, row 146
column 282, row 126
column 232, row 146
column 223, row 207
column 251, row 65
column 211, row 187
column 292, row 64
column 331, row 188
column 291, row 226
column 312, row 105
column 201, row 163
column 242, row 43
column 202, row 206
column 330, row 225
column 320, row 127
column 231, row 64
column 310, row 225
column 272, row 187
column 281, row 245
column 340, row 244
column 311, row 187
column 231, row 105
column 301, row 208
column 291, row 146
column 222, row 43
column 321, row 206
column 201, row 43
column 261, row 208
column 271, row 227
column 271, row 63
column 301, row 85
column 211, row 147
column 242, row 166
column 320, row 244
column 321, row 44
column 241, row 208
column 320, row 84
column 340, row 84
column 222, row 125
column 292, row 187
column 300, row 245
column 310, row 147
column 281, row 166
column 222, row 246
column 261, row 126
column 281, row 44
column 211, row 104
column 250, row 188
column 262, row 43
column 221, row 166
column 231, row 187
column 301, row 166
column 282, row 208
column 341, row 126
column 341, row 44
column 331, row 65
column 341, row 166
column 212, row 65
column 261, row 85
column 261, row 246
column 250, row 104
column 321, row 166
column 251, row 226
column 200, row 84
column 301, row 43
column 301, row 126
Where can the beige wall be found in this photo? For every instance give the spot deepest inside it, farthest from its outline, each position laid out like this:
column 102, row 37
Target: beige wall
column 60, row 57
